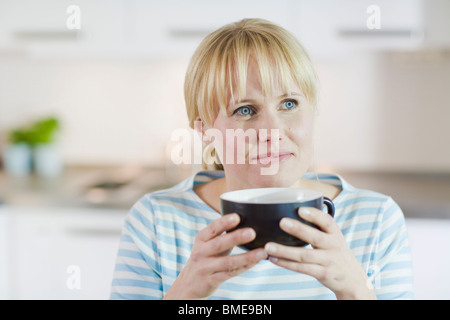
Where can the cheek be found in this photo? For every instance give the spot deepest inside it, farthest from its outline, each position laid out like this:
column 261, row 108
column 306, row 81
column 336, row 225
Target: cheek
column 301, row 133
column 219, row 126
column 231, row 147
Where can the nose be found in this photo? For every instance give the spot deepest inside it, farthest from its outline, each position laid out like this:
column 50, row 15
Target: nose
column 270, row 129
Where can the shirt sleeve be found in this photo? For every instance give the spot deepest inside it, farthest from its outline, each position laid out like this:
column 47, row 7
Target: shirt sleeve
column 391, row 275
column 137, row 273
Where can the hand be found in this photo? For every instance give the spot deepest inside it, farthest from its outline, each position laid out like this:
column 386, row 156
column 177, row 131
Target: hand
column 331, row 261
column 210, row 262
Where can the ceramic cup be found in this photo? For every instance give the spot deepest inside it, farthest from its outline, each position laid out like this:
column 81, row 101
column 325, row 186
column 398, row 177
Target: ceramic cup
column 263, row 208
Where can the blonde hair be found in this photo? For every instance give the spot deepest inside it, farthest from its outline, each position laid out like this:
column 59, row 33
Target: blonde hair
column 222, row 60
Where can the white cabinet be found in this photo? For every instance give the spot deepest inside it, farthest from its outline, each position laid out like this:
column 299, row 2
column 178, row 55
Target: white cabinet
column 54, row 253
column 4, row 252
column 174, row 28
column 23, row 21
column 430, row 248
column 436, row 25
column 124, row 28
column 330, row 27
column 336, row 27
column 400, row 24
column 45, row 28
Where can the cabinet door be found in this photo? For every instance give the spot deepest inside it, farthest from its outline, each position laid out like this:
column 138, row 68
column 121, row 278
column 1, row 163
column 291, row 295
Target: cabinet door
column 431, row 262
column 174, row 28
column 62, row 253
column 119, row 28
column 381, row 24
column 64, row 28
column 26, row 21
column 329, row 27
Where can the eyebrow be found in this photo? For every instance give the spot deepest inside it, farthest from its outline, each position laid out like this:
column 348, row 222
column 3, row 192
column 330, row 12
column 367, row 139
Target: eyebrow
column 280, row 97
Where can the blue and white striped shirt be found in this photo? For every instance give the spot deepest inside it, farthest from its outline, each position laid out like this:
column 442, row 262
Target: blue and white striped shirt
column 160, row 228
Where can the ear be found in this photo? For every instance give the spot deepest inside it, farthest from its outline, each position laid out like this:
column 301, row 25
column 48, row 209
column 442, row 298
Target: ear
column 200, row 128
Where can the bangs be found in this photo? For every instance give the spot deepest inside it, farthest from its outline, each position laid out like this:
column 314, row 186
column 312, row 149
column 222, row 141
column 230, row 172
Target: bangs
column 223, row 60
column 268, row 61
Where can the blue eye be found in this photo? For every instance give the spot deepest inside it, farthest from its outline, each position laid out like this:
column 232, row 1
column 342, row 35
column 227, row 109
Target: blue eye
column 290, row 104
column 243, row 111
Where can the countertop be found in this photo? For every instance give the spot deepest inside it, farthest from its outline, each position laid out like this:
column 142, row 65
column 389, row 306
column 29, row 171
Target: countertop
column 88, row 186
column 420, row 195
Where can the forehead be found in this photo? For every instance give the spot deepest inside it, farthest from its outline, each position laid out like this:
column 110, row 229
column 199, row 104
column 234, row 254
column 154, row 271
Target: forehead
column 261, row 81
column 255, row 88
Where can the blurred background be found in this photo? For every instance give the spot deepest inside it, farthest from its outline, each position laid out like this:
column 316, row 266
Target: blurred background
column 91, row 92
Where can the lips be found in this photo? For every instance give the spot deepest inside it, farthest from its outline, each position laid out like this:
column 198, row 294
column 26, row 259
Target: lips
column 270, row 157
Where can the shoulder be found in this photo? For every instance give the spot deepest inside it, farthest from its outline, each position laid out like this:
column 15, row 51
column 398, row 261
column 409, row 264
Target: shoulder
column 367, row 206
column 368, row 202
column 349, row 195
column 178, row 203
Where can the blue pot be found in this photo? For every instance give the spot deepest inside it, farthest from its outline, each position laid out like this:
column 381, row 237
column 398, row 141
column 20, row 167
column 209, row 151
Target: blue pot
column 17, row 159
column 47, row 160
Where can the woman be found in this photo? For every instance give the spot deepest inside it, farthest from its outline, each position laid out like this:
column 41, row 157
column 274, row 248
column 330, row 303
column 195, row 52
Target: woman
column 253, row 76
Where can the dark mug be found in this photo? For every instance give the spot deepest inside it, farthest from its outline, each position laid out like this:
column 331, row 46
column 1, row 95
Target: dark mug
column 263, row 208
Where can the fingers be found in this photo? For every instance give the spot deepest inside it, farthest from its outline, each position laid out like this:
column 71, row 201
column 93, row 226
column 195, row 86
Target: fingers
column 218, row 226
column 317, row 238
column 315, row 270
column 216, row 242
column 231, row 266
column 229, row 240
column 314, row 262
column 210, row 262
column 297, row 254
column 226, row 266
column 321, row 219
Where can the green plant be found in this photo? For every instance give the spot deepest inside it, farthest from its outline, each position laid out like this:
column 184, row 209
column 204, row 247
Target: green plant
column 40, row 132
column 21, row 135
column 44, row 131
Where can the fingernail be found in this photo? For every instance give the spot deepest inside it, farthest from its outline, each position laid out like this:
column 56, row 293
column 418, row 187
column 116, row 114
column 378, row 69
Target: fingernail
column 273, row 259
column 233, row 217
column 249, row 234
column 261, row 255
column 304, row 211
column 286, row 223
column 270, row 248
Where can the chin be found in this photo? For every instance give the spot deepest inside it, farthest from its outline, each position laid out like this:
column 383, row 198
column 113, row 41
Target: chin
column 277, row 180
column 285, row 176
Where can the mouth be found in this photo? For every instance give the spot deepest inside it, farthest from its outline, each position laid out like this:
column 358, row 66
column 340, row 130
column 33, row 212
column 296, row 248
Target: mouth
column 272, row 157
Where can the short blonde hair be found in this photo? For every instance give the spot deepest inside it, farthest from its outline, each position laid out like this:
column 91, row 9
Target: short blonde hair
column 221, row 61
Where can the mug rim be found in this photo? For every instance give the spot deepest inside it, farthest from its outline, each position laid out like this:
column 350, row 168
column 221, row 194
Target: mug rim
column 259, row 195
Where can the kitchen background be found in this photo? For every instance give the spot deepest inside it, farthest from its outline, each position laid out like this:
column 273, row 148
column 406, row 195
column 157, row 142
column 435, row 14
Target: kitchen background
column 97, row 88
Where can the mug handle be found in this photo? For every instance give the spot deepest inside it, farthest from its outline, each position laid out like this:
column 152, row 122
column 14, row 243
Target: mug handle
column 330, row 206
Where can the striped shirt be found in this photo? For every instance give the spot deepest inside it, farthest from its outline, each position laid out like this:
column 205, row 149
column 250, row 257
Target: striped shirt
column 160, row 228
